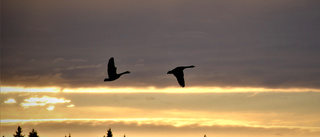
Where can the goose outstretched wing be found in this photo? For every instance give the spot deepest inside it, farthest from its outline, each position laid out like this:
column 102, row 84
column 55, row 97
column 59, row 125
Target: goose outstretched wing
column 112, row 70
column 180, row 77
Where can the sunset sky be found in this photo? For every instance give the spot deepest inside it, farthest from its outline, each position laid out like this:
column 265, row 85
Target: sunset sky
column 257, row 68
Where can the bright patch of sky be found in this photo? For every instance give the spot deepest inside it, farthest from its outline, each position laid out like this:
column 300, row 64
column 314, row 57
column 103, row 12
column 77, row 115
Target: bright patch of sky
column 42, row 101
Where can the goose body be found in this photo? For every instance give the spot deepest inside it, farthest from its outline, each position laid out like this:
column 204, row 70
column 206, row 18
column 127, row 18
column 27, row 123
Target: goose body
column 112, row 71
column 178, row 73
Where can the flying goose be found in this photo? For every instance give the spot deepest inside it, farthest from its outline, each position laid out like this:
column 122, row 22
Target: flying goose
column 178, row 73
column 112, row 71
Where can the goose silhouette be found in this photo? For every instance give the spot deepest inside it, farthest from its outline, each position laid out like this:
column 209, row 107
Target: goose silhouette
column 112, row 71
column 178, row 73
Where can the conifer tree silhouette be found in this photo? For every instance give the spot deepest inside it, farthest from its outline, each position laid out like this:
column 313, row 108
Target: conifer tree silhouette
column 109, row 133
column 18, row 132
column 33, row 133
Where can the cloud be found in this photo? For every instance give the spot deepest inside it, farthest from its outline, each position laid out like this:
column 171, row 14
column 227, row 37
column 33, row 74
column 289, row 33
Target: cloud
column 50, row 108
column 84, row 67
column 77, row 60
column 10, row 101
column 70, row 106
column 43, row 101
column 232, row 44
column 57, row 60
column 254, row 94
column 29, row 89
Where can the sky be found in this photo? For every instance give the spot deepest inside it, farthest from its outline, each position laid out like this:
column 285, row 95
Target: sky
column 256, row 69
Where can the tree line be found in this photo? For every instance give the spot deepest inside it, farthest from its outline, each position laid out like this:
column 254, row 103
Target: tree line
column 34, row 133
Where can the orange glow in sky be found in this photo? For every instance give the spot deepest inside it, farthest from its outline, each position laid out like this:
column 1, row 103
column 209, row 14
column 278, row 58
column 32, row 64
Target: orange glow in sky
column 252, row 108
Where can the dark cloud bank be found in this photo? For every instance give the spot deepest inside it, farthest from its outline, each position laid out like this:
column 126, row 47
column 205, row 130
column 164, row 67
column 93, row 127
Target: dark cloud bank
column 231, row 43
